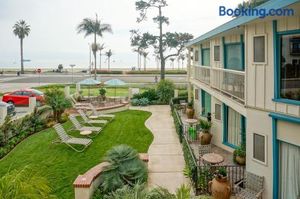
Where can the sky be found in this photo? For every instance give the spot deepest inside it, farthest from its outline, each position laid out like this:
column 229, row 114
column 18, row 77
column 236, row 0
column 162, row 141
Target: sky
column 54, row 40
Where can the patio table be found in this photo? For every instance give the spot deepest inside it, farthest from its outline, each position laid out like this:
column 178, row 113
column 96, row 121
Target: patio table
column 213, row 158
column 85, row 132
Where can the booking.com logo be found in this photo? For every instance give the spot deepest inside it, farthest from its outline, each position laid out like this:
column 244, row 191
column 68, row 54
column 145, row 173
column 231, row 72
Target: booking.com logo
column 259, row 12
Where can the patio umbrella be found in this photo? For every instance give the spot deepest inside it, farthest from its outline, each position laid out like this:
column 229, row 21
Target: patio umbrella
column 89, row 82
column 115, row 83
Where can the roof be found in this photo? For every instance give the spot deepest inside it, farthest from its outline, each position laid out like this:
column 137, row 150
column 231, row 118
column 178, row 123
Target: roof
column 272, row 4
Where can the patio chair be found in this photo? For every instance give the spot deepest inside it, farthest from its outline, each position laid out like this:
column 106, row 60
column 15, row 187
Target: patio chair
column 88, row 121
column 77, row 104
column 204, row 149
column 79, row 127
column 97, row 114
column 253, row 187
column 69, row 140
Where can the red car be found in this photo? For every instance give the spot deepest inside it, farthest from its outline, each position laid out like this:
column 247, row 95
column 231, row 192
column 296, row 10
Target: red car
column 21, row 97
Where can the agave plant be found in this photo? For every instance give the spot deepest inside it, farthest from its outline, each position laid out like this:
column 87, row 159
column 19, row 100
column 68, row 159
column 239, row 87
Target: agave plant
column 125, row 169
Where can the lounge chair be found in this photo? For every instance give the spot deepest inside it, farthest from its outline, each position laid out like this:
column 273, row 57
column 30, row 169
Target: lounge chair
column 78, row 105
column 79, row 127
column 88, row 121
column 69, row 140
column 98, row 114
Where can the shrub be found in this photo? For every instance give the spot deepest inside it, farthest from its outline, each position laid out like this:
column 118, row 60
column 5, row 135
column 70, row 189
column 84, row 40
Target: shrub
column 137, row 96
column 135, row 102
column 24, row 183
column 144, row 102
column 165, row 90
column 150, row 94
column 125, row 169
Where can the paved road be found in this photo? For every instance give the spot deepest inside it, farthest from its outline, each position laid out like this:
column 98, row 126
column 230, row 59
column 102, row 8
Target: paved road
column 166, row 161
column 10, row 82
column 68, row 78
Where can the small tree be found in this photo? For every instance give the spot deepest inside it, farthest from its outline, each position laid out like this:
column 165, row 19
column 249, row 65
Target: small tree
column 108, row 54
column 56, row 99
column 165, row 91
column 60, row 68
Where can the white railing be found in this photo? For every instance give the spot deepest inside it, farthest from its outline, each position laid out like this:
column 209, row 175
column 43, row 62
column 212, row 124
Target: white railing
column 230, row 82
column 202, row 74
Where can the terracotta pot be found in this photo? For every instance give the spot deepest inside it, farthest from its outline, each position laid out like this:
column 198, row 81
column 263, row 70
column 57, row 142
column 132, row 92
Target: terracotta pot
column 240, row 160
column 205, row 138
column 220, row 188
column 190, row 113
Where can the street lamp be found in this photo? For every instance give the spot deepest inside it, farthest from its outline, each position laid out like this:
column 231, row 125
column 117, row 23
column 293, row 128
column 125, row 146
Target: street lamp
column 72, row 66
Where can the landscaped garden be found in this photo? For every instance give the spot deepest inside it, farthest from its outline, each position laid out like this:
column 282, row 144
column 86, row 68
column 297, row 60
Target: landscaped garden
column 60, row 165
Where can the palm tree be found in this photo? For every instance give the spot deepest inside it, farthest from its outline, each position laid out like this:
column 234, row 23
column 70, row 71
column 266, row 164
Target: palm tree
column 21, row 30
column 108, row 54
column 93, row 27
column 145, row 54
column 100, row 47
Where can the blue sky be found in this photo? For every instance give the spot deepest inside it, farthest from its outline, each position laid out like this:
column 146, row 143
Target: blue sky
column 54, row 40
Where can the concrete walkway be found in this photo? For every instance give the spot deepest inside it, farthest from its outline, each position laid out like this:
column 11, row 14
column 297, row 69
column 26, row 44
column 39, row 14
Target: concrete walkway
column 166, row 162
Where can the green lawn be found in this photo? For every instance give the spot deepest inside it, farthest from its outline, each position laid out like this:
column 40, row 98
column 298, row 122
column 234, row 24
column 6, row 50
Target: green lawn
column 61, row 165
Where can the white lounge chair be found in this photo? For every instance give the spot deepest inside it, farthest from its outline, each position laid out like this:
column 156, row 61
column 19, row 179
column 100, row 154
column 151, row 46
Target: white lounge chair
column 77, row 104
column 95, row 113
column 79, row 127
column 69, row 140
column 88, row 121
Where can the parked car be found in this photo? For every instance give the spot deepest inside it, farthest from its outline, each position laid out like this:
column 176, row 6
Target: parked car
column 21, row 97
column 10, row 108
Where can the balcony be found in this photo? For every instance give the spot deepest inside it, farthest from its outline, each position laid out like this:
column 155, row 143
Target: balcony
column 229, row 82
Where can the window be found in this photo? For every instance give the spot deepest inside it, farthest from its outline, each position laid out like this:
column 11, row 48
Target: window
column 234, row 127
column 290, row 66
column 206, row 103
column 234, row 57
column 259, row 148
column 196, row 55
column 217, row 111
column 259, row 49
column 216, row 53
column 27, row 93
column 18, row 93
column 206, row 57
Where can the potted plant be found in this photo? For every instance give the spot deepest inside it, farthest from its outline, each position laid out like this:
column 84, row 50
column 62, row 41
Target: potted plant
column 190, row 110
column 205, row 135
column 240, row 155
column 220, row 186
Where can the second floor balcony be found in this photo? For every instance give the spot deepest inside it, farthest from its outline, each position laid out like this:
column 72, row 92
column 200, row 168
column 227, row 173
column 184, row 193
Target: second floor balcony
column 229, row 82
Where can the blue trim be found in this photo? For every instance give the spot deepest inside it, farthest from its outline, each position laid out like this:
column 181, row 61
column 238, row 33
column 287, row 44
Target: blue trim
column 277, row 61
column 275, row 118
column 289, row 32
column 225, row 128
column 241, row 44
column 287, row 101
column 275, row 159
column 276, row 65
column 286, row 118
column 225, row 124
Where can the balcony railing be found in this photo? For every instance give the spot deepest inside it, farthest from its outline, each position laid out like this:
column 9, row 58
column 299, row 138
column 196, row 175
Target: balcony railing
column 202, row 74
column 230, row 82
